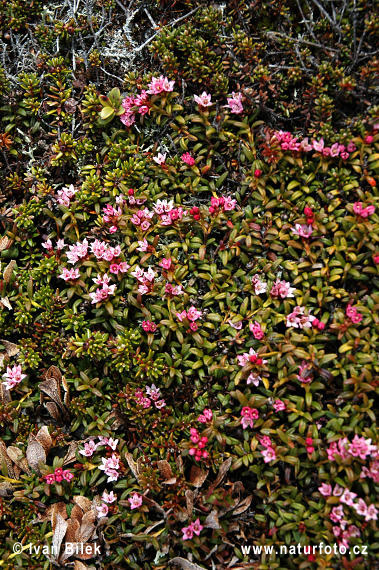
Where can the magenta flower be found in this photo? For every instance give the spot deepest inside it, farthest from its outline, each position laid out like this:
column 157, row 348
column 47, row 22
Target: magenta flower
column 279, row 406
column 268, row 455
column 188, row 159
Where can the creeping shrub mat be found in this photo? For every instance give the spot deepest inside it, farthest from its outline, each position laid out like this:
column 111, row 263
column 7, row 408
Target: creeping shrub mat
column 189, row 270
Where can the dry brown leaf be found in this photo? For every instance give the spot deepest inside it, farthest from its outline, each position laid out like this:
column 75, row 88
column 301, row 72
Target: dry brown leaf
column 86, row 556
column 189, row 502
column 43, row 437
column 185, row 564
column 77, row 513
column 5, row 395
column 243, row 505
column 51, row 388
column 53, row 372
column 84, row 503
column 70, row 455
column 164, row 469
column 59, row 534
column 9, row 270
column 212, row 520
column 72, row 534
column 35, row 453
column 4, row 460
column 132, row 464
column 87, row 527
column 5, row 243
column 5, row 489
column 224, row 468
column 4, row 302
column 80, row 566
column 198, row 476
column 10, row 347
column 16, row 455
column 53, row 410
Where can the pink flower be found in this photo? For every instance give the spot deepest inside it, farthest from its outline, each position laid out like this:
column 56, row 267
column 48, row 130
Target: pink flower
column 337, row 514
column 49, row 478
column 372, row 513
column 143, row 245
column 159, row 85
column 187, row 532
column 193, row 314
column 135, row 501
column 325, row 489
column 114, row 268
column 268, row 454
column 197, row 527
column 235, row 103
column 67, row 475
column 302, row 230
column 347, row 497
column 206, row 416
column 13, row 376
column 60, row 244
column 69, row 274
column 248, row 416
column 298, row 319
column 279, row 406
column 305, row 373
column 188, row 159
column 259, row 285
column 360, row 447
column 102, row 511
column 318, row 146
column 166, row 263
column 47, row 245
column 360, row 507
column 203, row 100
column 160, row 158
column 89, row 449
column 58, row 474
column 108, row 497
column 337, row 490
column 265, row 441
column 282, row 289
column 256, row 329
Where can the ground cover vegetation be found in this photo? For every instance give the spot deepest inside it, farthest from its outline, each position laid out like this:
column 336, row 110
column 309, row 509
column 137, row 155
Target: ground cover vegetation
column 188, row 283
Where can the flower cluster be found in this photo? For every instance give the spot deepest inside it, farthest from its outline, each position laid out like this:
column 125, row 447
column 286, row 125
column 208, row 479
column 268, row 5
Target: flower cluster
column 66, row 194
column 297, row 319
column 102, row 293
column 359, row 210
column 268, row 453
column 153, row 396
column 58, row 476
column 353, row 315
column 199, row 451
column 222, row 204
column 248, row 416
column 194, row 528
column 288, row 142
column 13, row 376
